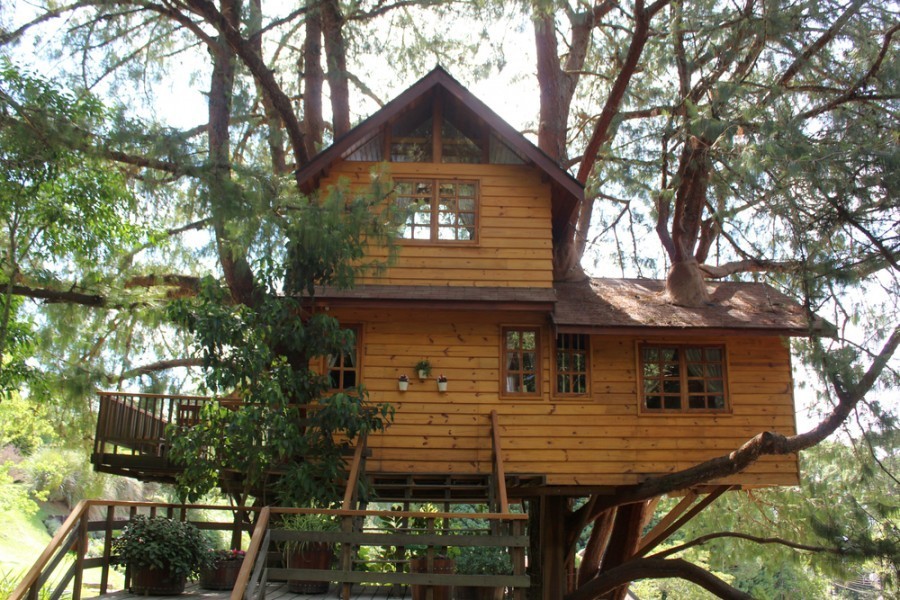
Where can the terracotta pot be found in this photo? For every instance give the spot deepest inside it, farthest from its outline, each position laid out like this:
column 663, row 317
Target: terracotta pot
column 222, row 576
column 468, row 592
column 149, row 581
column 443, row 566
column 318, row 555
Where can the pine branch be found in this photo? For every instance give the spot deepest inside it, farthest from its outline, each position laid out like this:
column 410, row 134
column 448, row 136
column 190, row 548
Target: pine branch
column 743, row 536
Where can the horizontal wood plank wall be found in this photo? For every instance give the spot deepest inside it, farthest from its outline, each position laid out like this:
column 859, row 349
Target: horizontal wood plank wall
column 515, row 246
column 602, row 440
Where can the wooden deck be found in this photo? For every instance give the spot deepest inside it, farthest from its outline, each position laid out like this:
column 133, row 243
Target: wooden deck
column 278, row 591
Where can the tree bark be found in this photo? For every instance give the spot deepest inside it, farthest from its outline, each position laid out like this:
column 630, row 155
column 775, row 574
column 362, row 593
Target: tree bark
column 655, row 568
column 596, row 546
column 235, row 267
column 335, row 53
column 313, row 81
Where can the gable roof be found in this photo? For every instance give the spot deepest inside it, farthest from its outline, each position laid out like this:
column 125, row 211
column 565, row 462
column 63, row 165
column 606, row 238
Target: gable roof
column 618, row 306
column 568, row 192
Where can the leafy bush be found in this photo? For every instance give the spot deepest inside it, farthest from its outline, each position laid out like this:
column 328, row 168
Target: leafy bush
column 161, row 543
column 483, row 560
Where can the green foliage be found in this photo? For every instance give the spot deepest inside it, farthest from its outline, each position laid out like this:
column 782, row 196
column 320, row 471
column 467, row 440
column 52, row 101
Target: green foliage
column 306, row 522
column 262, row 350
column 24, row 425
column 61, row 475
column 483, row 560
column 161, row 543
column 14, row 497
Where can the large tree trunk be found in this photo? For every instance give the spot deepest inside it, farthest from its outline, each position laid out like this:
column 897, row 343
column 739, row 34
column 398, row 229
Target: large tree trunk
column 222, row 194
column 313, row 81
column 335, row 53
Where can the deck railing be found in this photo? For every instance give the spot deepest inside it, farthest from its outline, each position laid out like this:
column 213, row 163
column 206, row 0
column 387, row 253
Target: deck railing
column 372, row 547
column 50, row 572
column 135, row 424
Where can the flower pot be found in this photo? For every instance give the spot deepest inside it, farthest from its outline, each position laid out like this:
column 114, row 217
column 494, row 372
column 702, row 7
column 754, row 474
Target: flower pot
column 443, row 566
column 423, row 375
column 469, row 592
column 442, row 386
column 402, row 385
column 317, row 555
column 222, row 576
column 150, row 581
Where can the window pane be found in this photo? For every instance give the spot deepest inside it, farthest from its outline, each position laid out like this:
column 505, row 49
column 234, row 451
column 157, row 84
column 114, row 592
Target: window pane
column 512, row 339
column 529, row 383
column 513, row 383
column 717, row 402
column 529, row 340
column 694, row 354
column 528, row 361
column 580, row 385
column 512, row 361
column 651, row 386
column 654, row 402
column 696, row 402
column 562, row 384
column 671, row 402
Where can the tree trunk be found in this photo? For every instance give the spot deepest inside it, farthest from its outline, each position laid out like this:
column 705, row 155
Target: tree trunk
column 335, row 53
column 313, row 80
column 222, row 193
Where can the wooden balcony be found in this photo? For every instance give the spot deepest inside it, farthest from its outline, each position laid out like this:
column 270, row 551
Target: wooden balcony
column 131, row 433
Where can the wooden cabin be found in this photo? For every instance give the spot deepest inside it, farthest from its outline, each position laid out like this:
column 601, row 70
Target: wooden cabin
column 598, row 383
column 583, row 386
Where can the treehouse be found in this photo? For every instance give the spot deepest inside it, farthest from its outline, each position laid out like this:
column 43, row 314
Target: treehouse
column 553, row 389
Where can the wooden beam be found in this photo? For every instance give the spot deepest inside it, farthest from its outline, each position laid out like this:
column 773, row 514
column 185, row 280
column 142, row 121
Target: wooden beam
column 670, row 517
column 354, row 472
column 649, row 543
column 499, row 471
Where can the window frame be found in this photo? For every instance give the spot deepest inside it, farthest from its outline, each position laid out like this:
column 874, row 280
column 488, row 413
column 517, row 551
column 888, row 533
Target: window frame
column 434, row 237
column 357, row 337
column 683, row 379
column 539, row 362
column 587, row 368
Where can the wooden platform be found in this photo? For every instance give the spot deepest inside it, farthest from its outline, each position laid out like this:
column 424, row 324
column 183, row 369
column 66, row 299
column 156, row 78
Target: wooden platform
column 278, row 591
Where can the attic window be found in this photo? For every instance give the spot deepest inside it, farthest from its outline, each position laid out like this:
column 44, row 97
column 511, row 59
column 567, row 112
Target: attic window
column 683, row 378
column 445, row 211
column 412, row 143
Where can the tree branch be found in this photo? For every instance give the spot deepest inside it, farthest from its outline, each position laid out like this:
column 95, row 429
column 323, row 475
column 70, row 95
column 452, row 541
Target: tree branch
column 743, row 536
column 765, row 443
column 161, row 365
column 655, row 568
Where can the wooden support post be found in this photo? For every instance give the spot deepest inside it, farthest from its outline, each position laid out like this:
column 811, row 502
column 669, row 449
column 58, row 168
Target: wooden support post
column 499, row 471
column 346, row 556
column 553, row 546
column 81, row 547
column 356, row 465
column 517, row 555
column 107, row 548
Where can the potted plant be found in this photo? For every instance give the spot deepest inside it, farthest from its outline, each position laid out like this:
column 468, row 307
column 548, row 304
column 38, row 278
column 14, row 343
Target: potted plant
column 308, row 555
column 482, row 560
column 222, row 571
column 442, row 383
column 403, row 383
column 160, row 554
column 423, row 368
column 442, row 565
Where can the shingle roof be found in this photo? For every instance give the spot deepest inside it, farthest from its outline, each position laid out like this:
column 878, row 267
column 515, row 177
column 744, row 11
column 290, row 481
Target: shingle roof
column 445, row 294
column 630, row 304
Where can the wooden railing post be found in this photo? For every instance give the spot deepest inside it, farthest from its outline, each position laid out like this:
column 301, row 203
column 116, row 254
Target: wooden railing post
column 107, row 548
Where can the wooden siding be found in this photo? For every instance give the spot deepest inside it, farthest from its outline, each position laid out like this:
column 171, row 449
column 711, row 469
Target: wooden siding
column 514, row 247
column 598, row 440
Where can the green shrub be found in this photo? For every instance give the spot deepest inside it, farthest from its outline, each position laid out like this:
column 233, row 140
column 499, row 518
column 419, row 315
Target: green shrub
column 162, row 543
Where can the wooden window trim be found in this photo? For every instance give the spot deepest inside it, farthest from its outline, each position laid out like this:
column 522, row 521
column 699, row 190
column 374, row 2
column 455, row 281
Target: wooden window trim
column 685, row 409
column 435, row 203
column 357, row 333
column 539, row 361
column 554, row 383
